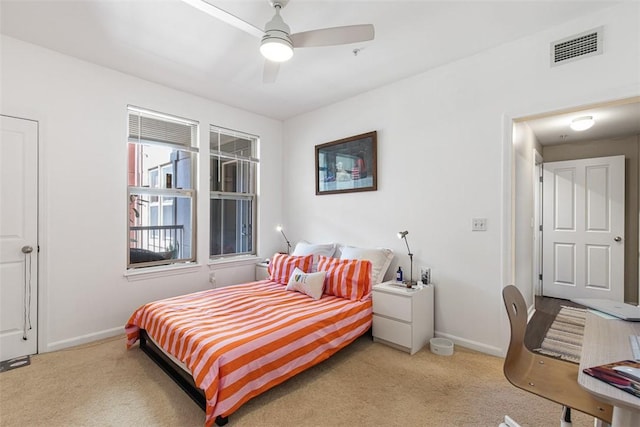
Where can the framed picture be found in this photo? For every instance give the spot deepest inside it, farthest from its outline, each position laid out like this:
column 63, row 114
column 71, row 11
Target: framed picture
column 347, row 165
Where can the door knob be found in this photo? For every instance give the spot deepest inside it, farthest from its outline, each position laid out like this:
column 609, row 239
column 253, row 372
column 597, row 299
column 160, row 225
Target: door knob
column 617, row 239
column 27, row 249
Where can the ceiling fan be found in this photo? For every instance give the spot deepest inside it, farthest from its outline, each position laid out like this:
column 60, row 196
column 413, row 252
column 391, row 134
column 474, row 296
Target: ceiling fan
column 277, row 41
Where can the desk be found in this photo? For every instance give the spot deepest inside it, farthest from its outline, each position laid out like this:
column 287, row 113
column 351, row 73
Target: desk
column 607, row 341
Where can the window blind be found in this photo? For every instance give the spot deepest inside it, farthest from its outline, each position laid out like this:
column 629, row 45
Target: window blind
column 145, row 126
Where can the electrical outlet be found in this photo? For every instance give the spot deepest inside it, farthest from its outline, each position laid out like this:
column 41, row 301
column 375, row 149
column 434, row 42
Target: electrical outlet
column 425, row 275
column 479, row 224
column 212, row 278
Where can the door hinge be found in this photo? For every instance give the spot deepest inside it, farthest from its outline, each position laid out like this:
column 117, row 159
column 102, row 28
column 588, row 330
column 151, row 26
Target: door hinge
column 539, row 276
column 540, row 178
column 540, row 227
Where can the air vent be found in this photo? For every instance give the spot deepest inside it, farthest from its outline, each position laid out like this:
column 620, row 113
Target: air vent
column 577, row 46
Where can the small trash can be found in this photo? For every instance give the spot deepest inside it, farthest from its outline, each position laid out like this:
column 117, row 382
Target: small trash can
column 441, row 346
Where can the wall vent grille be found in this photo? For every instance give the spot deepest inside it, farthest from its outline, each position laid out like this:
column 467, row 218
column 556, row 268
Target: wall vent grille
column 577, row 46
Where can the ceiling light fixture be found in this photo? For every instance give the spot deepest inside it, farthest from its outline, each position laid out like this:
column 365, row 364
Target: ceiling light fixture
column 582, row 123
column 276, row 44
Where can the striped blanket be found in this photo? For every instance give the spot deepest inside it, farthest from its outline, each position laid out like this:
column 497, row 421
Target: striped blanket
column 241, row 340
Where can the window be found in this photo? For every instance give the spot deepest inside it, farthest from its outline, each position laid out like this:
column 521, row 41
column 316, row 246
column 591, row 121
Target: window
column 232, row 195
column 161, row 191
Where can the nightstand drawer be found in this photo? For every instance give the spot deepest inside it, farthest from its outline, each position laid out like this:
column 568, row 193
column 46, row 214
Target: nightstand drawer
column 392, row 331
column 390, row 305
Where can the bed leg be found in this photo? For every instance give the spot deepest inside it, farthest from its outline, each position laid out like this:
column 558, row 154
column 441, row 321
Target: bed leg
column 220, row 421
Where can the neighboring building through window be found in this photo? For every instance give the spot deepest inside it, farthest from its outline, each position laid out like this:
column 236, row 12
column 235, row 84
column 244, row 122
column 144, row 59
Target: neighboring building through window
column 233, row 182
column 161, row 191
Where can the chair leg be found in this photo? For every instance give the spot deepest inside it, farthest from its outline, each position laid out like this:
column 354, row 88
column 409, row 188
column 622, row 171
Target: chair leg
column 565, row 421
column 509, row 422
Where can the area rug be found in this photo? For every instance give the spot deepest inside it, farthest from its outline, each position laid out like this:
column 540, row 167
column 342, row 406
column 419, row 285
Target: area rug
column 564, row 337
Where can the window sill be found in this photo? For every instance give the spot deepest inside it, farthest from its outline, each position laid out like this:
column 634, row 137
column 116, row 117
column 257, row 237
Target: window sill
column 161, row 271
column 233, row 262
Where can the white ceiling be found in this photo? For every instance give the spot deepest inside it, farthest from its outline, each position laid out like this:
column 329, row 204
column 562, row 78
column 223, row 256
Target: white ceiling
column 176, row 45
column 611, row 121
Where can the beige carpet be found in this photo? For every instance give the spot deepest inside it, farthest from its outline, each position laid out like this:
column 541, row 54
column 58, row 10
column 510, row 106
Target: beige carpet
column 365, row 384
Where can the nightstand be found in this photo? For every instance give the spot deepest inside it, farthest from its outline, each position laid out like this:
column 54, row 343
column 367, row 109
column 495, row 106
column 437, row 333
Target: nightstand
column 262, row 271
column 402, row 317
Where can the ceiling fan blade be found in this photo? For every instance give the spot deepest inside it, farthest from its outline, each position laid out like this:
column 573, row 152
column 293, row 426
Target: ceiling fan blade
column 270, row 71
column 226, row 17
column 333, row 36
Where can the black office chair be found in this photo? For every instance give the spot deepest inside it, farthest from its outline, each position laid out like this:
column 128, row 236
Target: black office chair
column 545, row 376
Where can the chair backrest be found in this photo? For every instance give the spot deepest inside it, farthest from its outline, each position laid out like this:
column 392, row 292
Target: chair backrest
column 518, row 358
column 547, row 377
column 517, row 313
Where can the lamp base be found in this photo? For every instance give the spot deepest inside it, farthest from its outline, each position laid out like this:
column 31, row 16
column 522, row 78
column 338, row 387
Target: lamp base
column 409, row 283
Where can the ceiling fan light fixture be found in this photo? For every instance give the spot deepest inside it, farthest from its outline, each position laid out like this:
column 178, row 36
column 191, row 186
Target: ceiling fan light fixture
column 276, row 49
column 582, row 123
column 276, row 44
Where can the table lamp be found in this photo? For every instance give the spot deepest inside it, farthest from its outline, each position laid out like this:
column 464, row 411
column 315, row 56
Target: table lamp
column 403, row 235
column 281, row 230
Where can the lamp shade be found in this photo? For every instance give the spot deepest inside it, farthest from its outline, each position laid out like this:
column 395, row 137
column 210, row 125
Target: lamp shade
column 276, row 49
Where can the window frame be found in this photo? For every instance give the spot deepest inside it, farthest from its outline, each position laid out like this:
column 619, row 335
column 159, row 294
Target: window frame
column 251, row 193
column 161, row 192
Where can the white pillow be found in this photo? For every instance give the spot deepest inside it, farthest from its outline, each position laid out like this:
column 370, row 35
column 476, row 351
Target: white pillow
column 311, row 284
column 380, row 259
column 304, row 248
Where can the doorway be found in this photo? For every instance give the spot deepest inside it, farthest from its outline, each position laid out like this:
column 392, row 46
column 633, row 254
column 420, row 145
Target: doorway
column 617, row 132
column 18, row 237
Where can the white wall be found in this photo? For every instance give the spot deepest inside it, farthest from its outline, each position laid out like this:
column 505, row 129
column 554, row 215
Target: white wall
column 524, row 143
column 445, row 157
column 82, row 113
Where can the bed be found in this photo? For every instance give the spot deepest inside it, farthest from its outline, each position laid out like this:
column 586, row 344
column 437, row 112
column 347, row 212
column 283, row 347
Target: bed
column 225, row 346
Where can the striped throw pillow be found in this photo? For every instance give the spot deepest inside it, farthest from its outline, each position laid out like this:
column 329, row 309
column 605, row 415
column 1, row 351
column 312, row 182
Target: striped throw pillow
column 346, row 278
column 282, row 265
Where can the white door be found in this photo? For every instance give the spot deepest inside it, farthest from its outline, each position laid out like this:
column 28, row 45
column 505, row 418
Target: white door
column 583, row 228
column 18, row 235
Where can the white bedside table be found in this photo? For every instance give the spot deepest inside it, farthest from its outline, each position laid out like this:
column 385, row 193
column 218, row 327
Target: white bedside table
column 262, row 271
column 402, row 317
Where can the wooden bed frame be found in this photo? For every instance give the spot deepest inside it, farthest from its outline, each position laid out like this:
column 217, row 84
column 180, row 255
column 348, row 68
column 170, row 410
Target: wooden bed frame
column 177, row 374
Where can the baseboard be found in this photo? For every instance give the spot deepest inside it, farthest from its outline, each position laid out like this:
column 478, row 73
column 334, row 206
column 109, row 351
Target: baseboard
column 108, row 333
column 84, row 339
column 473, row 345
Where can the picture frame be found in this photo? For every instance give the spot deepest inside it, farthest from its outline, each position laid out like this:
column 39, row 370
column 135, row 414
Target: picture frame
column 347, row 165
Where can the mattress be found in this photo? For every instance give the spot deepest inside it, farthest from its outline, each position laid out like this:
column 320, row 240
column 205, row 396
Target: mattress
column 242, row 340
column 174, row 359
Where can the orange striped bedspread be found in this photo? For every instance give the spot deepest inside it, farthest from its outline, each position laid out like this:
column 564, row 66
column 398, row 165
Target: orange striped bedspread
column 241, row 340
